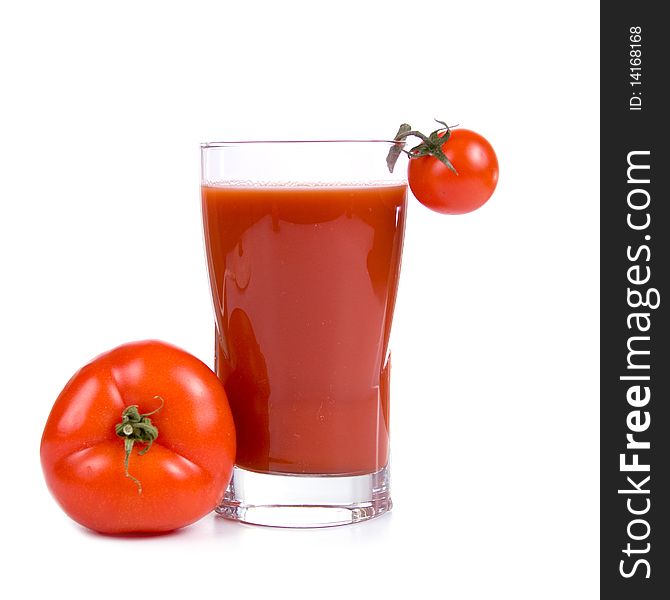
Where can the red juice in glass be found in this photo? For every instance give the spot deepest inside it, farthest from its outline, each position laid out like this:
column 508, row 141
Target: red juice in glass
column 304, row 280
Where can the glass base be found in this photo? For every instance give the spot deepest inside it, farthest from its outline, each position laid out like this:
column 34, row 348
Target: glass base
column 283, row 500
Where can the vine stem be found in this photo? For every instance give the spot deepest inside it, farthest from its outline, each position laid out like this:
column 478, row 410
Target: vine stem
column 431, row 145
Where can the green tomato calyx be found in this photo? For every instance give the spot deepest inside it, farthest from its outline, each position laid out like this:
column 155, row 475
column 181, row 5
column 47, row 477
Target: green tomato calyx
column 431, row 145
column 136, row 427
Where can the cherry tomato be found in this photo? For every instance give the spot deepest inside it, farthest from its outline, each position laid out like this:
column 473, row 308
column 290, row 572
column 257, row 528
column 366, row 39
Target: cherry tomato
column 167, row 483
column 439, row 188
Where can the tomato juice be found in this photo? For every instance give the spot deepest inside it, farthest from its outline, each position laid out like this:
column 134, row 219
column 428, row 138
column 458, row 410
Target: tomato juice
column 304, row 280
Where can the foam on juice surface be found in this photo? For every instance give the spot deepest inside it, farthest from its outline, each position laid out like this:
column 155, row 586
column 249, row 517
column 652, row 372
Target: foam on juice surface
column 300, row 184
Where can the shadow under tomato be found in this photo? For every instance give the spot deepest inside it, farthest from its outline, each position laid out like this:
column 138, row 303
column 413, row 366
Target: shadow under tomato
column 135, row 534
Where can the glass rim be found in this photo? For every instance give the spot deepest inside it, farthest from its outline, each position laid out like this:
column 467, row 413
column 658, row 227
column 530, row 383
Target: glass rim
column 242, row 143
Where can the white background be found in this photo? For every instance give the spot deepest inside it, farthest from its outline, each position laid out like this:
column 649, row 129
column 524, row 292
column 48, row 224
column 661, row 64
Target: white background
column 495, row 384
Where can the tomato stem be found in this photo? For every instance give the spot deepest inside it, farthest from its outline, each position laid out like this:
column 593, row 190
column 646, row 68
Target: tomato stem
column 430, row 145
column 136, row 427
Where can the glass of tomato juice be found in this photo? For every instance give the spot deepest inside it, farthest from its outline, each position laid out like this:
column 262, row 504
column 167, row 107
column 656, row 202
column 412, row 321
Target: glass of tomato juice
column 304, row 240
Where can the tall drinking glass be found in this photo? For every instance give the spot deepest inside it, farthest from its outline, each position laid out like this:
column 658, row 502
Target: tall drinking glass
column 303, row 247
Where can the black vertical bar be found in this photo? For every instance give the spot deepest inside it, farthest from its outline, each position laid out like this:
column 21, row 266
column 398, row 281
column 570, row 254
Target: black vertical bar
column 635, row 253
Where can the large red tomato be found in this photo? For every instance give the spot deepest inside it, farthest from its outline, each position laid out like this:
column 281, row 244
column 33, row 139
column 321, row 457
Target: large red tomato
column 159, row 485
